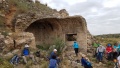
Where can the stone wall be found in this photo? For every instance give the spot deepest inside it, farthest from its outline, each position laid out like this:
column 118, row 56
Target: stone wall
column 56, row 24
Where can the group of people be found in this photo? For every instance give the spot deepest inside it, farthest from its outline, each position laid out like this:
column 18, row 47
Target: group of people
column 84, row 60
column 24, row 55
column 53, row 59
column 111, row 52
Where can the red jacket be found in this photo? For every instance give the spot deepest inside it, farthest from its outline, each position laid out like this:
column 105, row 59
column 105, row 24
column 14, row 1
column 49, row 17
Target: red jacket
column 109, row 49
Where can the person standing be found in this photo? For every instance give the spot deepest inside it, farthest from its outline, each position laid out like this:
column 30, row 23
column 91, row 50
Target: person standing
column 76, row 47
column 100, row 51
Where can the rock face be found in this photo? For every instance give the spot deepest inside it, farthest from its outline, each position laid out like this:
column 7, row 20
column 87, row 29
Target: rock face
column 44, row 23
column 2, row 43
column 16, row 41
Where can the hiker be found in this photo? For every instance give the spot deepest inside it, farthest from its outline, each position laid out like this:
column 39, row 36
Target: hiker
column 100, row 52
column 76, row 47
column 26, row 54
column 115, row 55
column 53, row 62
column 118, row 59
column 118, row 50
column 95, row 46
column 54, row 54
column 109, row 51
column 85, row 63
column 15, row 59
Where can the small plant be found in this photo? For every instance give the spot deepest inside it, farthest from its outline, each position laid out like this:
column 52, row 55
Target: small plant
column 5, row 33
column 43, row 46
column 57, row 44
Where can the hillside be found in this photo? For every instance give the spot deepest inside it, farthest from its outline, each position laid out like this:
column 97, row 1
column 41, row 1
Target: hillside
column 108, row 38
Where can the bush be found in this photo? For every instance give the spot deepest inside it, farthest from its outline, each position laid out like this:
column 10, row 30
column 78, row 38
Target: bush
column 43, row 46
column 22, row 6
column 57, row 44
column 5, row 64
column 2, row 21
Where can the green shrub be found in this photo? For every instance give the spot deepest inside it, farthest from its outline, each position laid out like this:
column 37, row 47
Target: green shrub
column 58, row 44
column 43, row 46
column 5, row 64
column 2, row 21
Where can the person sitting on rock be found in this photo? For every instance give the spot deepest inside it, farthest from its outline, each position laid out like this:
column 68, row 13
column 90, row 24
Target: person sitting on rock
column 109, row 51
column 85, row 63
column 100, row 51
column 76, row 47
column 26, row 54
column 53, row 62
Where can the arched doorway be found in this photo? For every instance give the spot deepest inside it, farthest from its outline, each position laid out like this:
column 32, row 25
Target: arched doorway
column 44, row 30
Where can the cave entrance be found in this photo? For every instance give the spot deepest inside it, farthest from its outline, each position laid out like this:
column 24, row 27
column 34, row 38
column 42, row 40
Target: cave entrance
column 44, row 30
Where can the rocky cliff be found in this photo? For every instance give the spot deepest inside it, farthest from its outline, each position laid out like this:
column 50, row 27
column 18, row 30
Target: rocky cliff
column 25, row 21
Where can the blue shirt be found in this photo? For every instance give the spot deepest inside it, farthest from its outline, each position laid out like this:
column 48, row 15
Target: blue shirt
column 85, row 62
column 75, row 45
column 52, row 55
column 25, row 52
column 53, row 63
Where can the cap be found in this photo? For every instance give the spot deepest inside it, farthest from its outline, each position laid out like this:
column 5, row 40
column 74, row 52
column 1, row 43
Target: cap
column 26, row 45
column 83, row 55
column 55, row 50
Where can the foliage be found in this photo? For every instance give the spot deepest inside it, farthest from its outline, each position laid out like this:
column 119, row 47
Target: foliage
column 109, row 36
column 5, row 33
column 21, row 5
column 109, row 64
column 43, row 46
column 57, row 44
column 2, row 21
column 5, row 64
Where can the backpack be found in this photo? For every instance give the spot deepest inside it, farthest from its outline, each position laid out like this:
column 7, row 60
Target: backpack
column 14, row 60
column 37, row 53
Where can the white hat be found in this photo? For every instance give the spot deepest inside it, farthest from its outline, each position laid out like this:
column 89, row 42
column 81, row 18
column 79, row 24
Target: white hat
column 100, row 45
column 55, row 50
column 83, row 55
column 26, row 45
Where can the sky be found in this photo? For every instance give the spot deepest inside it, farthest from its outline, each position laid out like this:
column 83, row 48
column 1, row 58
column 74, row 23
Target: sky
column 102, row 16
